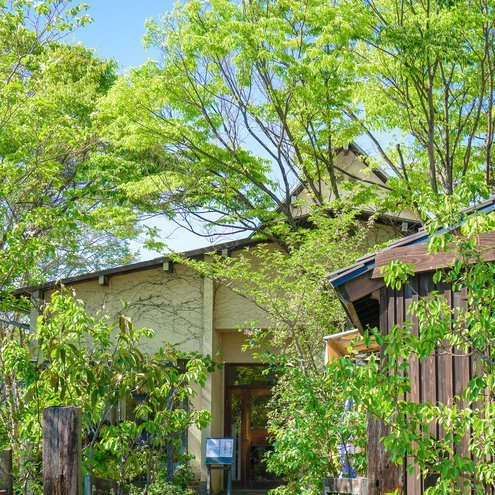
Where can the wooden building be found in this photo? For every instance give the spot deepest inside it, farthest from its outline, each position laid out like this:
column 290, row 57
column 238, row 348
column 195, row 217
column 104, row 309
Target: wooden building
column 369, row 303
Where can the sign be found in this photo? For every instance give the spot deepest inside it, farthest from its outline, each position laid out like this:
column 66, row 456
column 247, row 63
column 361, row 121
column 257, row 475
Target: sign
column 219, row 450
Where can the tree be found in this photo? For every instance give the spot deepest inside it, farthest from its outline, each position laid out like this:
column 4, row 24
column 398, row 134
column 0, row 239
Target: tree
column 300, row 81
column 247, row 104
column 426, row 73
column 255, row 98
column 316, row 430
column 291, row 287
column 60, row 206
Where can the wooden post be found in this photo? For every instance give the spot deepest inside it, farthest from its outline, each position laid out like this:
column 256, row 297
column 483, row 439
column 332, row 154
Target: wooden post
column 6, row 482
column 383, row 475
column 62, row 451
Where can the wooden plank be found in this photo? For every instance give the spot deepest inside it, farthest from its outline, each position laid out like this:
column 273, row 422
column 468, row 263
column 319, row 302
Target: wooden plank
column 427, row 373
column 349, row 308
column 352, row 313
column 373, row 450
column 429, row 368
column 411, row 291
column 333, row 351
column 445, row 361
column 476, row 363
column 383, row 318
column 462, row 374
column 62, row 451
column 417, row 255
column 383, row 475
column 399, row 321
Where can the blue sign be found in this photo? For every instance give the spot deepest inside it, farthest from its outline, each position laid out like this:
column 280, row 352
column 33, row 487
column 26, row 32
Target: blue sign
column 219, row 450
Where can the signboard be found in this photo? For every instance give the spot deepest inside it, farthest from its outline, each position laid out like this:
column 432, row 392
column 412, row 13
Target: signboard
column 219, row 450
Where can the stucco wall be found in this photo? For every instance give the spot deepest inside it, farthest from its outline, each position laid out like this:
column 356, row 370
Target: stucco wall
column 232, row 310
column 181, row 307
column 379, row 234
column 169, row 303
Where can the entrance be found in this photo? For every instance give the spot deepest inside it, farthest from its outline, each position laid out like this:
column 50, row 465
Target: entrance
column 248, row 391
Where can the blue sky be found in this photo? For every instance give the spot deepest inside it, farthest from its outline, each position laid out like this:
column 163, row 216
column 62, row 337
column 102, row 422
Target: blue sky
column 118, row 26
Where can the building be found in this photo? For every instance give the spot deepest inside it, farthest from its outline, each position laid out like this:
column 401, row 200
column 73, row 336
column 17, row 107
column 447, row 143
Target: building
column 198, row 315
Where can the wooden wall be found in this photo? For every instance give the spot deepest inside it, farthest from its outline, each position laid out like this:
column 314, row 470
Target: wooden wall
column 438, row 378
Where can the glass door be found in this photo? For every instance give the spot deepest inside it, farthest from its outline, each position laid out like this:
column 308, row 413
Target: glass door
column 257, row 439
column 246, row 420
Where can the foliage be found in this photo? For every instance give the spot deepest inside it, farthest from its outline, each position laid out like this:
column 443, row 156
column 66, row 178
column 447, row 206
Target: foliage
column 81, row 361
column 161, row 486
column 58, row 197
column 247, row 104
column 425, row 72
column 253, row 98
column 313, row 427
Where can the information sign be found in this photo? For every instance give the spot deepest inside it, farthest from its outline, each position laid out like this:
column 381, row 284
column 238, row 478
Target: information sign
column 219, row 450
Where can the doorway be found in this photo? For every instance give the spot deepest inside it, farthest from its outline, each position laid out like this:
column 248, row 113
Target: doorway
column 248, row 391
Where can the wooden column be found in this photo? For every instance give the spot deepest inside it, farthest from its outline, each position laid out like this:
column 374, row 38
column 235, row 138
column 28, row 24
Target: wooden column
column 62, row 451
column 6, row 482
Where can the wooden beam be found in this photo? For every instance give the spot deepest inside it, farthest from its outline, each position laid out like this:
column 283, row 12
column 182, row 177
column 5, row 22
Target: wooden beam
column 332, row 351
column 383, row 475
column 168, row 266
column 337, row 347
column 362, row 286
column 424, row 262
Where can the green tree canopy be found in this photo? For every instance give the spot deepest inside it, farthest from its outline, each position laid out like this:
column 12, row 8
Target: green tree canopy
column 253, row 98
column 59, row 202
column 247, row 104
column 424, row 70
